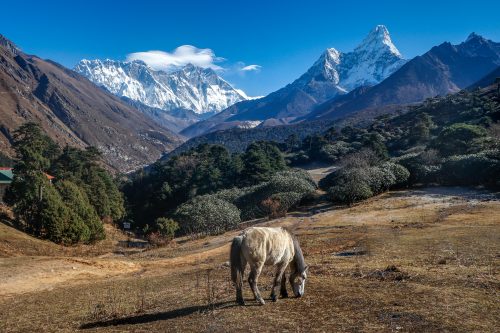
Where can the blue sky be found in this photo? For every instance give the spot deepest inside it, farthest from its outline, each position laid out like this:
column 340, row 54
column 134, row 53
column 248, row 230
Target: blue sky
column 282, row 37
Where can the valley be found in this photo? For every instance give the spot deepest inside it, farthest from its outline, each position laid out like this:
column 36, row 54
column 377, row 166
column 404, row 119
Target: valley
column 138, row 140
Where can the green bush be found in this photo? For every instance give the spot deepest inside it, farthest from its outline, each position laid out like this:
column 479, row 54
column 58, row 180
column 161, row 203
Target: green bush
column 457, row 138
column 473, row 169
column 328, row 181
column 207, row 214
column 401, row 174
column 380, row 179
column 166, row 227
column 233, row 194
column 333, row 152
column 297, row 181
column 421, row 170
column 350, row 191
column 288, row 199
column 348, row 185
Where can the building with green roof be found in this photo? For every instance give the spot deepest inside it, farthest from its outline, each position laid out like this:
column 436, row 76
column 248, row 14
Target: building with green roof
column 6, row 177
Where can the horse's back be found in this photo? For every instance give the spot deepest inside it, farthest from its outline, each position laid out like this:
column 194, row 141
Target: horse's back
column 268, row 245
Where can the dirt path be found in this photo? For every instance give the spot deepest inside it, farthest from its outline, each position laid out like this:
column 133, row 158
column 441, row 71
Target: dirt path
column 20, row 275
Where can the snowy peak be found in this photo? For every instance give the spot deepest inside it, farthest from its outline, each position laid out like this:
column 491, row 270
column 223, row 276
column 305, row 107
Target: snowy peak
column 189, row 87
column 378, row 39
column 325, row 68
column 373, row 60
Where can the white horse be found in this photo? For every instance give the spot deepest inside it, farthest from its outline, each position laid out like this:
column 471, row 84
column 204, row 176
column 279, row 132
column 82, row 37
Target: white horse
column 259, row 246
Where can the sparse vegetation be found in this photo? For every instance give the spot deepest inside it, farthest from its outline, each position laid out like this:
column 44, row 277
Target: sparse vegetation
column 408, row 249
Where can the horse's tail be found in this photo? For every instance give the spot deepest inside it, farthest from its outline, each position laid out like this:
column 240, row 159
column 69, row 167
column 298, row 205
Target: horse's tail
column 235, row 259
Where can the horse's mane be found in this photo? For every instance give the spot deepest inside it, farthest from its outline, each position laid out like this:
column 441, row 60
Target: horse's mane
column 298, row 258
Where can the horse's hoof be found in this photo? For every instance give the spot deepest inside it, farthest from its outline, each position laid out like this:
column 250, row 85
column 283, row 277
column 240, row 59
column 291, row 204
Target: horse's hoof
column 261, row 301
column 274, row 298
column 284, row 295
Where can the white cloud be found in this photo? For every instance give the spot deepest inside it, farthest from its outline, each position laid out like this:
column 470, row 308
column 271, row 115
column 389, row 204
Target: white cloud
column 181, row 56
column 251, row 68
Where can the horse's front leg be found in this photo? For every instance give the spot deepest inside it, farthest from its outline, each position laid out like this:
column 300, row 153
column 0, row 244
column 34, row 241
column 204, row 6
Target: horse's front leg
column 283, row 292
column 256, row 269
column 280, row 272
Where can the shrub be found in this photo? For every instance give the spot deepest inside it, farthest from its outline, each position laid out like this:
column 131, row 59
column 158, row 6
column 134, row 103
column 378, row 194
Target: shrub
column 328, row 181
column 332, row 152
column 233, row 194
column 156, row 239
column 401, row 174
column 278, row 204
column 380, row 179
column 290, row 181
column 348, row 185
column 166, row 227
column 350, row 191
column 296, row 181
column 473, row 169
column 456, row 139
column 273, row 207
column 207, row 214
column 421, row 171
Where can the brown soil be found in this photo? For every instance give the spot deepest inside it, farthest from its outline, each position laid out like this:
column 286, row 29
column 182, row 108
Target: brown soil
column 416, row 261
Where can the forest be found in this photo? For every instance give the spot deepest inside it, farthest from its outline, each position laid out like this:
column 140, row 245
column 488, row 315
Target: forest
column 208, row 189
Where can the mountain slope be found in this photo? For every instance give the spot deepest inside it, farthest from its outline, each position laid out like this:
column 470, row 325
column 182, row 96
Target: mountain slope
column 191, row 88
column 487, row 80
column 73, row 111
column 444, row 69
column 333, row 74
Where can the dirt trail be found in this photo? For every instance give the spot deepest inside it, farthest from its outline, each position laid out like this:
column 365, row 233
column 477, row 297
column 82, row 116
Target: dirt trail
column 27, row 274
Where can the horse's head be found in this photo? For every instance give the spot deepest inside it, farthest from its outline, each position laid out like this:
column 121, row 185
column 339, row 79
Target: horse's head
column 298, row 281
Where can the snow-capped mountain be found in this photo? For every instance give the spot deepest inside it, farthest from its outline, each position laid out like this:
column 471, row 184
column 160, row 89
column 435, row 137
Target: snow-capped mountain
column 368, row 64
column 190, row 87
column 335, row 73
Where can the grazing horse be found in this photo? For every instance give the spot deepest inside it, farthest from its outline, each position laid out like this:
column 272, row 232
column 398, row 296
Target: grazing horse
column 259, row 246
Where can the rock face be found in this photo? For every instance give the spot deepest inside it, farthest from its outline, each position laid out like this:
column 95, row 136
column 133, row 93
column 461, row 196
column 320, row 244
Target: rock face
column 193, row 88
column 335, row 73
column 442, row 70
column 74, row 111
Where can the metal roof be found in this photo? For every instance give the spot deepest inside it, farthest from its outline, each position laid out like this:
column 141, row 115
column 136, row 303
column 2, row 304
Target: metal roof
column 6, row 175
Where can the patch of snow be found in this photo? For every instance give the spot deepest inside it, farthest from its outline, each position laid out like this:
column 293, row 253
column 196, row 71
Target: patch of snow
column 249, row 124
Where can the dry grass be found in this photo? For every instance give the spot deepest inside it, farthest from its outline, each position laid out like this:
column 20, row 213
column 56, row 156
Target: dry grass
column 416, row 262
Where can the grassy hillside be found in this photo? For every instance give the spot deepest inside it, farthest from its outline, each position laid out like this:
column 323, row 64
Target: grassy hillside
column 405, row 261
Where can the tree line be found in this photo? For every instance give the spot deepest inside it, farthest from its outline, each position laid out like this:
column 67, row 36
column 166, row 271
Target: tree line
column 71, row 207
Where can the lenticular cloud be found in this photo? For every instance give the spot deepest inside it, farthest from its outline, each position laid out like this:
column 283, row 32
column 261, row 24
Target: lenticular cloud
column 181, row 56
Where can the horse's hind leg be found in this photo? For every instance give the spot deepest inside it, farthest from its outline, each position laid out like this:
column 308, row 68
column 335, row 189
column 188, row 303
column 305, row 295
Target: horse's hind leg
column 255, row 271
column 283, row 291
column 278, row 280
column 239, row 282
